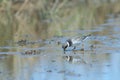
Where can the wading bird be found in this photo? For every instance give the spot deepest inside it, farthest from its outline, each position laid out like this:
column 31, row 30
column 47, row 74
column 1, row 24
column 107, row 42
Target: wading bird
column 74, row 42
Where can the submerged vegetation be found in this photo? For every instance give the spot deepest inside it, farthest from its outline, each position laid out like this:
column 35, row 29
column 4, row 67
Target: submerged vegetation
column 46, row 18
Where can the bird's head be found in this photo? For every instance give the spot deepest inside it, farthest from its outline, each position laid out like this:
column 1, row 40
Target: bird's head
column 64, row 46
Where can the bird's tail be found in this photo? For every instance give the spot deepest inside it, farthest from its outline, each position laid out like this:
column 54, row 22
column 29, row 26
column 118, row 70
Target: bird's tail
column 85, row 37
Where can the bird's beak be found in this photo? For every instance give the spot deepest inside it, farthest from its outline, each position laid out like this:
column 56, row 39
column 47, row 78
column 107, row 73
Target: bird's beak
column 63, row 46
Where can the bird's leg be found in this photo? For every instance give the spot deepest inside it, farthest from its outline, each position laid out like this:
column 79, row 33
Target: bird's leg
column 83, row 46
column 82, row 49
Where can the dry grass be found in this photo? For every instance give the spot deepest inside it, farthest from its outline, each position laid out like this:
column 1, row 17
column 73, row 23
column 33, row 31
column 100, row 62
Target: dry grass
column 43, row 18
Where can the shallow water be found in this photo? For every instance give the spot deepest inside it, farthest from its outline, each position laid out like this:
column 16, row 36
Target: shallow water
column 96, row 59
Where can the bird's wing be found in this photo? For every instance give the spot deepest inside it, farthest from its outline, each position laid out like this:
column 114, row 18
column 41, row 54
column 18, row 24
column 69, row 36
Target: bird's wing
column 80, row 39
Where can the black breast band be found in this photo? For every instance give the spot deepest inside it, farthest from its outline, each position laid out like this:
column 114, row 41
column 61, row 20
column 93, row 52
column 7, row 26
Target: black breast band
column 70, row 42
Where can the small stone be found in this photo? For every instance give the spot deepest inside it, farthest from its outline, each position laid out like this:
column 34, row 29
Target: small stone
column 62, row 71
column 49, row 70
column 82, row 49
